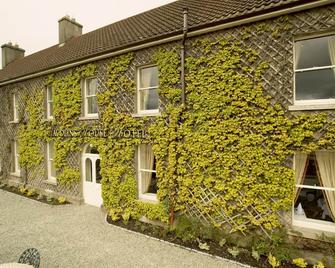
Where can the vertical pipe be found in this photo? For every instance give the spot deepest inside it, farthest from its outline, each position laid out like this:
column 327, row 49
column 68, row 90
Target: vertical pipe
column 182, row 56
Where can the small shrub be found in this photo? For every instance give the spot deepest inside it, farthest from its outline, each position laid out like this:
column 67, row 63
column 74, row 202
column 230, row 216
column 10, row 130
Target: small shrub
column 234, row 251
column 222, row 242
column 22, row 189
column 273, row 261
column 255, row 254
column 49, row 199
column 61, row 199
column 319, row 265
column 203, row 246
column 31, row 192
column 300, row 262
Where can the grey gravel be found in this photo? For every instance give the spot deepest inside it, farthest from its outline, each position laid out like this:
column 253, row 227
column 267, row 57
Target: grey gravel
column 78, row 236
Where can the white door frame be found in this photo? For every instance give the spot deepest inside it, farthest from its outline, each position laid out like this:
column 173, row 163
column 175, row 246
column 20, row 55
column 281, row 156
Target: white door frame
column 91, row 189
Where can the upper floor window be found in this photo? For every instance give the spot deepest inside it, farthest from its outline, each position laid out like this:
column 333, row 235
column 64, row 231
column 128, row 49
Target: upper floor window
column 90, row 97
column 315, row 70
column 15, row 108
column 147, row 179
column 49, row 102
column 315, row 190
column 51, row 163
column 147, row 90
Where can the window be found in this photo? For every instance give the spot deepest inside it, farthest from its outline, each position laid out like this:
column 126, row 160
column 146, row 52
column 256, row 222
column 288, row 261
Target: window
column 49, row 102
column 15, row 108
column 51, row 162
column 314, row 204
column 147, row 95
column 147, row 179
column 90, row 98
column 15, row 158
column 315, row 70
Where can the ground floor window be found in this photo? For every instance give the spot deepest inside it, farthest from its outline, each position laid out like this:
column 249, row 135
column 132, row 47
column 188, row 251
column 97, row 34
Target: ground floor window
column 15, row 167
column 51, row 162
column 147, row 179
column 315, row 190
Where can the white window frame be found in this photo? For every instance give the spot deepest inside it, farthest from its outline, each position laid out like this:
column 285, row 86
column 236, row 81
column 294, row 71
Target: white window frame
column 144, row 196
column 15, row 108
column 49, row 114
column 50, row 163
column 316, row 103
column 17, row 169
column 86, row 96
column 303, row 221
column 139, row 89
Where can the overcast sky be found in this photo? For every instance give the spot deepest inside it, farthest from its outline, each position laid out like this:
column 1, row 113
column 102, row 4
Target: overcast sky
column 33, row 24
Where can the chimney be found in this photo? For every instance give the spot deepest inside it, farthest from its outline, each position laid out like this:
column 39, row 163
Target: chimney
column 11, row 53
column 68, row 28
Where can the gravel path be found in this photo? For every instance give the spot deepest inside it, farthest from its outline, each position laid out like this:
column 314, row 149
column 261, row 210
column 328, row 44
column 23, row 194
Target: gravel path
column 77, row 236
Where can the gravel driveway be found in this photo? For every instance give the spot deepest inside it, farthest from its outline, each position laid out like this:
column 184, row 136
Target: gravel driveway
column 77, row 236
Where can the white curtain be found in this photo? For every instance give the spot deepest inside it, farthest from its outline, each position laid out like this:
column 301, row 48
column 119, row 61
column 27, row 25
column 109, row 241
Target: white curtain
column 300, row 161
column 146, row 76
column 331, row 48
column 297, row 53
column 326, row 164
column 147, row 162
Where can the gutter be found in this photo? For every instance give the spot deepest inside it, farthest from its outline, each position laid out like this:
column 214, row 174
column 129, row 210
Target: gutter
column 175, row 38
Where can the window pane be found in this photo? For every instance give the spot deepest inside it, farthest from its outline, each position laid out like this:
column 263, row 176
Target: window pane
column 149, row 77
column 318, row 84
column 315, row 52
column 91, row 86
column 49, row 93
column 97, row 171
column 88, row 170
column 314, row 205
column 53, row 169
column 149, row 99
column 92, row 106
column 51, row 150
column 51, row 108
column 149, row 182
column 147, row 159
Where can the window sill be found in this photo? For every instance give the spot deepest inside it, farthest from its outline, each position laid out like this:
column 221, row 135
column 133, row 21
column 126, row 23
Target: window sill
column 48, row 119
column 14, row 122
column 313, row 225
column 153, row 114
column 50, row 181
column 148, row 198
column 306, row 107
column 91, row 117
column 15, row 174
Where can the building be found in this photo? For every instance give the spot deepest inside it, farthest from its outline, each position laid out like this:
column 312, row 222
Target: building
column 259, row 93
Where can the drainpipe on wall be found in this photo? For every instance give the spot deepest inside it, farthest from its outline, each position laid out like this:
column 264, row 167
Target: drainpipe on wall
column 182, row 56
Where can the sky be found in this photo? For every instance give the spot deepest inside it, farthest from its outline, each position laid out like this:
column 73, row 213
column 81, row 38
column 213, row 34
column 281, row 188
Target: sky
column 33, row 24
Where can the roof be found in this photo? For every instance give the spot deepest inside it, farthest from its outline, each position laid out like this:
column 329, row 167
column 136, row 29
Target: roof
column 148, row 26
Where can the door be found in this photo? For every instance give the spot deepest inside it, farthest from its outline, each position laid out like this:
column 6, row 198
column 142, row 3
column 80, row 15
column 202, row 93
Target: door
column 91, row 177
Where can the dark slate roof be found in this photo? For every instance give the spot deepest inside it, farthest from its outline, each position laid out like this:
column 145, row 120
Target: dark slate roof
column 154, row 24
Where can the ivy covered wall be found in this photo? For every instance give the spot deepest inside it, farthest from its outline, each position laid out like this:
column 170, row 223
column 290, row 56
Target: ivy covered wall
column 227, row 149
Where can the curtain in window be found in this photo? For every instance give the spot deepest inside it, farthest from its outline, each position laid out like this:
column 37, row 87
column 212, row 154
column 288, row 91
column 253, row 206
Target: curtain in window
column 147, row 162
column 300, row 161
column 146, row 79
column 326, row 164
column 297, row 54
column 331, row 48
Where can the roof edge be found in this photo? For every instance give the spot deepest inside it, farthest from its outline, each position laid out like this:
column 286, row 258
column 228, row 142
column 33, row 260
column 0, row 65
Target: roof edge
column 152, row 42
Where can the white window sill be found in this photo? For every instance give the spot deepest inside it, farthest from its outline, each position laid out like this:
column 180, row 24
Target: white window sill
column 89, row 117
column 14, row 122
column 16, row 174
column 146, row 114
column 47, row 119
column 307, row 107
column 150, row 198
column 317, row 225
column 51, row 181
